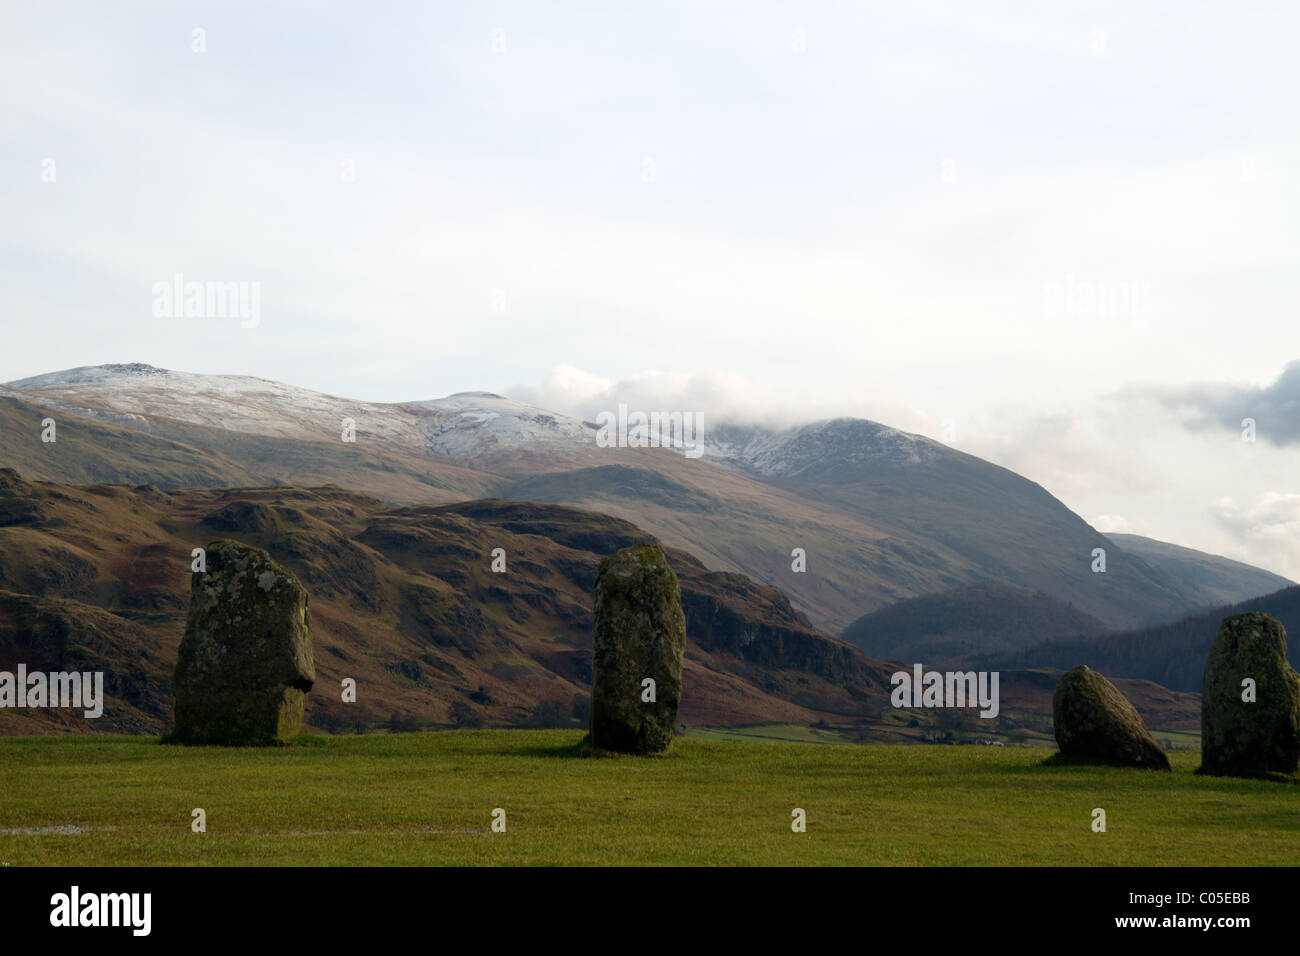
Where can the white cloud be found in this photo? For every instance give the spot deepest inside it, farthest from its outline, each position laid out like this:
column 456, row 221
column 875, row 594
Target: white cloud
column 564, row 389
column 721, row 396
column 1078, row 455
column 1113, row 524
column 1267, row 532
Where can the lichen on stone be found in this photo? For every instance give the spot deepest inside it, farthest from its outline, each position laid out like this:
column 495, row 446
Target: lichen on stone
column 1094, row 721
column 639, row 634
column 1250, row 737
column 245, row 663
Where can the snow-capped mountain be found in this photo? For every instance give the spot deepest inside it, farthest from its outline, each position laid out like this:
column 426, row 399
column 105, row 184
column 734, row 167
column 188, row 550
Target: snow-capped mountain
column 464, row 425
column 882, row 515
column 468, row 424
column 840, row 449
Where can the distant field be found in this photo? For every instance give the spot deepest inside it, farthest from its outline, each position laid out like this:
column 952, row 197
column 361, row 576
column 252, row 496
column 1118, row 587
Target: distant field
column 428, row 799
column 792, row 733
column 892, row 729
column 1178, row 739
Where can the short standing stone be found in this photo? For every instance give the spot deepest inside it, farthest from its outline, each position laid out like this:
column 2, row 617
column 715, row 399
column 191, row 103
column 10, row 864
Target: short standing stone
column 640, row 636
column 1094, row 720
column 1246, row 737
column 245, row 663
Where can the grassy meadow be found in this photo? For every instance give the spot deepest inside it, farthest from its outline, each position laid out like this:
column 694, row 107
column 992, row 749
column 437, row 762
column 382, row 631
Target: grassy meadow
column 427, row 799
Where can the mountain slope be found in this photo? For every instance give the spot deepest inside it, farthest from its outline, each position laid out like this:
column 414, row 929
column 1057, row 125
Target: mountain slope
column 96, row 444
column 85, row 450
column 957, row 625
column 1211, row 580
column 1169, row 654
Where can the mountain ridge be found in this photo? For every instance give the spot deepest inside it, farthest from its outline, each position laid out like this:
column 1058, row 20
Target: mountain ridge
column 1218, row 579
column 881, row 515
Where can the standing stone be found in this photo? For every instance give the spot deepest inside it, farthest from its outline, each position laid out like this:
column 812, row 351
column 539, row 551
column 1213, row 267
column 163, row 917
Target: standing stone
column 245, row 663
column 1250, row 738
column 640, row 634
column 1094, row 720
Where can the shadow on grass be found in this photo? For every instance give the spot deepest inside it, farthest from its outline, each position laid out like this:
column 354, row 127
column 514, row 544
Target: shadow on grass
column 1270, row 775
column 1059, row 759
column 407, row 744
column 581, row 750
column 170, row 739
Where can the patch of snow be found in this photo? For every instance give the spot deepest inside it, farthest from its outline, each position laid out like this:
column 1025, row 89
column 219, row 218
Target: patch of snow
column 842, row 444
column 462, row 425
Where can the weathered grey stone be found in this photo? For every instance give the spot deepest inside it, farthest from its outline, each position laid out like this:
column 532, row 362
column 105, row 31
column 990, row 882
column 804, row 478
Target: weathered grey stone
column 640, row 634
column 245, row 663
column 1250, row 738
column 1094, row 721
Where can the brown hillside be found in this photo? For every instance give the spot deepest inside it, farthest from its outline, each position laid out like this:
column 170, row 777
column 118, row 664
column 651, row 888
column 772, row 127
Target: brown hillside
column 403, row 600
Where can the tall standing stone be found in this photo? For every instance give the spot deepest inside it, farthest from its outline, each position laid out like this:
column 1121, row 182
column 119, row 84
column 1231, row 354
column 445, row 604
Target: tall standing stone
column 640, row 636
column 245, row 663
column 1095, row 721
column 1250, row 700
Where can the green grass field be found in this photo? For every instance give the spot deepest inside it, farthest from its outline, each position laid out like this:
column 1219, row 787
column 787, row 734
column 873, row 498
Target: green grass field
column 786, row 733
column 428, row 799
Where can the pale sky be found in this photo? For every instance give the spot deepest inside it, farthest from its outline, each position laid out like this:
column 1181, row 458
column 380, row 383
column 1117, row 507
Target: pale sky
column 1068, row 230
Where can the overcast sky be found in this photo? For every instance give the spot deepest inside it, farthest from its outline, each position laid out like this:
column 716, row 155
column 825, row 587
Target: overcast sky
column 1068, row 231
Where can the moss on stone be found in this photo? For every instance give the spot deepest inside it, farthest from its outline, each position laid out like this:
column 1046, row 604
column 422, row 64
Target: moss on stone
column 1095, row 722
column 245, row 664
column 639, row 633
column 1240, row 737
